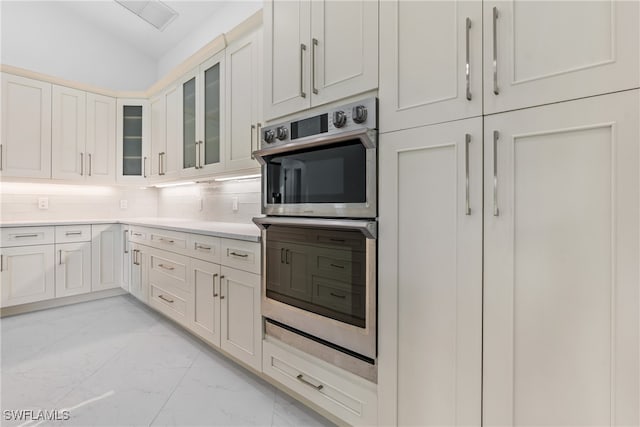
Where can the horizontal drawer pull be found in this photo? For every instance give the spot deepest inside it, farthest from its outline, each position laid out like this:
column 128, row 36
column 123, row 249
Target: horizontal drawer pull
column 137, row 234
column 162, row 297
column 337, row 296
column 25, row 235
column 336, row 265
column 239, row 255
column 204, row 248
column 166, row 267
column 300, row 378
column 73, row 233
column 166, row 240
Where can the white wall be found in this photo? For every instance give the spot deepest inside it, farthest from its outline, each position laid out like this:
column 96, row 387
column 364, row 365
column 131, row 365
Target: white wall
column 42, row 37
column 228, row 17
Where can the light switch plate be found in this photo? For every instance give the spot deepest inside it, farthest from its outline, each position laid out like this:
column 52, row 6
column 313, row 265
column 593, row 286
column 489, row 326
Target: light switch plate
column 43, row 203
column 124, row 204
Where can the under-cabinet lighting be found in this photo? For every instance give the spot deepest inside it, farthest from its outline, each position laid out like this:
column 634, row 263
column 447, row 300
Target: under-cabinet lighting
column 31, row 188
column 238, row 178
column 174, row 184
column 154, row 12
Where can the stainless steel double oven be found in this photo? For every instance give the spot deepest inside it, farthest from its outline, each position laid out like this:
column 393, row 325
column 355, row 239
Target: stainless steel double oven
column 319, row 177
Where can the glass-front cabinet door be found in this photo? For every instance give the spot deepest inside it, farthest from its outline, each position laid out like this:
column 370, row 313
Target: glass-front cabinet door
column 202, row 106
column 133, row 139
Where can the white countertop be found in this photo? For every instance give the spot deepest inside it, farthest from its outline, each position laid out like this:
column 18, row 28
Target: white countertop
column 230, row 230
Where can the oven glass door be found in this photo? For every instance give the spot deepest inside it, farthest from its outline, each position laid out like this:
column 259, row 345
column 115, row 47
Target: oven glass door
column 327, row 174
column 318, row 270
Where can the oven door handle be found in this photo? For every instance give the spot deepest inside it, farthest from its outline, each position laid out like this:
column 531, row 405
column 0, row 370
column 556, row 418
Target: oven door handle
column 368, row 228
column 368, row 137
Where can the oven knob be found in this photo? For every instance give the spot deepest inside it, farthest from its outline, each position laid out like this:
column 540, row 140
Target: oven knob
column 339, row 119
column 282, row 133
column 359, row 114
column 269, row 136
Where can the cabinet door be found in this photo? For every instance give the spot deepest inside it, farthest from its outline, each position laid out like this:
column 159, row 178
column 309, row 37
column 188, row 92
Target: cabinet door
column 241, row 331
column 133, row 126
column 101, row 139
column 344, row 49
column 170, row 160
column 553, row 51
column 68, row 139
column 430, row 62
column 189, row 160
column 25, row 149
column 139, row 283
column 205, row 311
column 430, row 289
column 244, row 89
column 106, row 246
column 126, row 259
column 73, row 269
column 210, row 115
column 287, row 54
column 28, row 274
column 561, row 250
column 288, row 270
column 158, row 135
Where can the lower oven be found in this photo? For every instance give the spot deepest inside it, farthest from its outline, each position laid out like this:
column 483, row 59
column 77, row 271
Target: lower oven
column 319, row 287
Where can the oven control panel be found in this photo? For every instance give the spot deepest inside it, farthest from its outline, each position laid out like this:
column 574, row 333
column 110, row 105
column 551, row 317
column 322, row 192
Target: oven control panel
column 362, row 114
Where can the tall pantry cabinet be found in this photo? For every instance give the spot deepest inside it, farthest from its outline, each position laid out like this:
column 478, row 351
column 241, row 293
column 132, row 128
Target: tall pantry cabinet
column 546, row 261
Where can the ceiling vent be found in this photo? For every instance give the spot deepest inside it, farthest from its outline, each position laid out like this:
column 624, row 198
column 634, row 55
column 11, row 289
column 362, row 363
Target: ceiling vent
column 154, row 12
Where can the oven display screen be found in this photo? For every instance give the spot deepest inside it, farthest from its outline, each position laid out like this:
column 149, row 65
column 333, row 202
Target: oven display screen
column 311, row 126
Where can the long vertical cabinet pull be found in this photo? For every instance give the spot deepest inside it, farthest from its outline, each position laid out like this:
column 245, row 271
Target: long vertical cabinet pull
column 496, row 91
column 221, row 279
column 1, row 157
column 126, row 251
column 313, row 66
column 467, row 66
column 144, row 167
column 199, row 155
column 303, row 47
column 1, row 263
column 496, row 135
column 467, row 141
column 89, row 161
column 215, row 294
column 251, row 138
column 81, row 164
column 60, row 257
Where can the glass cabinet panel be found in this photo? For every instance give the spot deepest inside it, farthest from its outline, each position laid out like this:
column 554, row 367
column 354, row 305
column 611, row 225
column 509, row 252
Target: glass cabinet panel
column 132, row 140
column 189, row 123
column 212, row 115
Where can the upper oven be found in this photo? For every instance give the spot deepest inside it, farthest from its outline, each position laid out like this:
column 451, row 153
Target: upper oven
column 322, row 166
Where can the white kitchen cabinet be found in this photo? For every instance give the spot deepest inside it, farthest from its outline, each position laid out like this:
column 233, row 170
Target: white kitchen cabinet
column 244, row 101
column 106, row 256
column 139, row 282
column 430, row 337
column 202, row 116
column 125, row 258
column 28, row 274
column 25, row 148
column 205, row 310
column 317, row 52
column 165, row 135
column 430, row 62
column 73, row 269
column 561, row 250
column 101, row 139
column 134, row 130
column 68, row 139
column 241, row 322
column 542, row 52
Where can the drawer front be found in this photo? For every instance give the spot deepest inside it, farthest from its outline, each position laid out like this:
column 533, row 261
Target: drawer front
column 27, row 236
column 340, row 265
column 338, row 296
column 73, row 233
column 138, row 234
column 241, row 255
column 340, row 393
column 206, row 248
column 169, row 240
column 168, row 303
column 169, row 269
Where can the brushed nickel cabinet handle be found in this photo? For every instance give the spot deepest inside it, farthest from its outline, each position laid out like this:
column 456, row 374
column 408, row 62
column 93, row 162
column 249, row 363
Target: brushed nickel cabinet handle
column 166, row 267
column 239, row 255
column 73, row 233
column 200, row 150
column 60, row 257
column 169, row 300
column 313, row 66
column 144, row 167
column 258, row 136
column 81, row 164
column 221, row 279
column 251, row 139
column 300, row 378
column 1, row 263
column 162, row 239
column 496, row 135
column 159, row 163
column 467, row 66
column 89, row 162
column 496, row 90
column 136, row 234
column 303, row 47
column 124, row 240
column 20, row 236
column 204, row 248
column 336, row 265
column 467, row 207
column 215, row 294
column 1, row 157
column 337, row 296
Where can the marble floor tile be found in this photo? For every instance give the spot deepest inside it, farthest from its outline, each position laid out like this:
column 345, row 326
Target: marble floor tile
column 116, row 362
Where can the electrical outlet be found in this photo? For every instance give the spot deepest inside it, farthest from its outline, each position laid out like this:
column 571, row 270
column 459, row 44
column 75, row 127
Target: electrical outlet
column 124, row 204
column 234, row 204
column 43, row 203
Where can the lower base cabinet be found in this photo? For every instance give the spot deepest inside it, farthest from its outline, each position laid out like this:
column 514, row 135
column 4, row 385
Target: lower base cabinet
column 138, row 282
column 205, row 310
column 27, row 274
column 73, row 269
column 106, row 263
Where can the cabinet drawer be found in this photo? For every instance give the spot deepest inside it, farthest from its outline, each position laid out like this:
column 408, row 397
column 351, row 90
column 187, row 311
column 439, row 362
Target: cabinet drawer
column 206, row 248
column 166, row 268
column 138, row 234
column 168, row 303
column 170, row 240
column 338, row 296
column 341, row 393
column 26, row 236
column 240, row 254
column 340, row 265
column 73, row 233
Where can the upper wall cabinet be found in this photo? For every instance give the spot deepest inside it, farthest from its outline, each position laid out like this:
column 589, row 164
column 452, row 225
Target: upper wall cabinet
column 165, row 134
column 542, row 52
column 244, row 102
column 200, row 111
column 68, row 139
column 430, row 62
column 25, row 148
column 133, row 138
column 101, row 139
column 318, row 52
